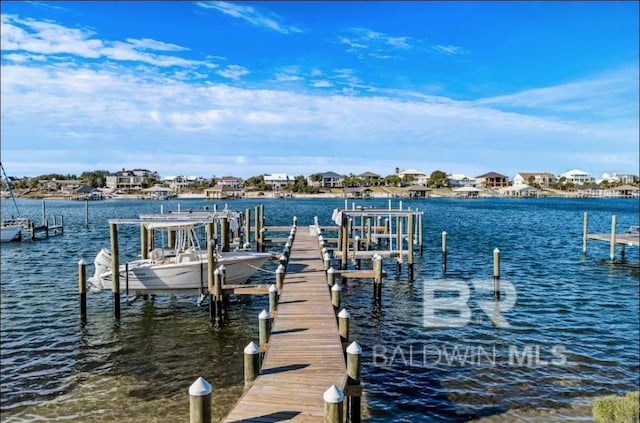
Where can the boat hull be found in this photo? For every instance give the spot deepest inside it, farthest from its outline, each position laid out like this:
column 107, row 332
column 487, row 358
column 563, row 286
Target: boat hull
column 11, row 233
column 144, row 277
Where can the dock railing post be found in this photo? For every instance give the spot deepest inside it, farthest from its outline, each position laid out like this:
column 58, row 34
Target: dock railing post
column 82, row 289
column 264, row 327
column 612, row 244
column 280, row 272
column 343, row 325
column 354, row 365
column 273, row 299
column 585, row 220
column 333, row 408
column 115, row 270
column 496, row 274
column 200, row 401
column 251, row 363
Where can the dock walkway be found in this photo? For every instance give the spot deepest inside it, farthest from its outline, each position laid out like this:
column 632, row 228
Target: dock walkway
column 304, row 357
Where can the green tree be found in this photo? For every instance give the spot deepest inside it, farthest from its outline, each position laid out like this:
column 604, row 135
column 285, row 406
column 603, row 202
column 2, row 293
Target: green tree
column 351, row 180
column 392, row 180
column 438, row 179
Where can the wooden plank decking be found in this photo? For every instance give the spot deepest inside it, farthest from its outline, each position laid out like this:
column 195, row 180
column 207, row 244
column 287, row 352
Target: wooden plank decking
column 305, row 356
column 620, row 238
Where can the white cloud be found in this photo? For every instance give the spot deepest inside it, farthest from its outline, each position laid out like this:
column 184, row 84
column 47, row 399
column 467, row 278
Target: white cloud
column 234, row 72
column 51, row 39
column 321, row 83
column 365, row 42
column 251, row 15
column 449, row 49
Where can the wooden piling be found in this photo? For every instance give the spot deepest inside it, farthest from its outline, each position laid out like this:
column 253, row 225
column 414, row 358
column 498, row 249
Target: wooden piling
column 585, row 220
column 344, row 247
column 224, row 235
column 444, row 251
column 354, row 368
column 115, row 270
column 377, row 281
column 247, row 224
column 171, row 237
column 280, row 272
column 356, row 248
column 44, row 214
column 496, row 274
column 333, row 407
column 200, row 401
column 264, row 328
column 251, row 363
column 331, row 277
column 420, row 232
column 335, row 296
column 410, row 229
column 612, row 244
column 257, row 228
column 86, row 213
column 82, row 289
column 327, row 261
column 343, row 324
column 273, row 299
column 218, row 282
column 144, row 244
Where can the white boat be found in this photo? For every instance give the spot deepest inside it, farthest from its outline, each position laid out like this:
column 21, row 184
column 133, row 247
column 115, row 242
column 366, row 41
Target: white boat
column 179, row 270
column 11, row 233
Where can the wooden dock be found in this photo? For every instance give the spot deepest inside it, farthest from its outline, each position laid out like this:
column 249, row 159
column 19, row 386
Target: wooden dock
column 304, row 355
column 629, row 238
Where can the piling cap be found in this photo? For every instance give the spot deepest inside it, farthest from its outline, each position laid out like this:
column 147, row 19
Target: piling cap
column 287, row 245
column 200, row 388
column 336, row 287
column 280, row 269
column 333, row 395
column 247, row 245
column 264, row 314
column 222, row 268
column 495, row 250
column 263, row 230
column 357, row 237
column 326, row 257
column 82, row 262
column 217, row 272
column 354, row 348
column 444, row 232
column 252, row 348
column 273, row 288
column 324, row 250
column 331, row 270
column 320, row 238
column 377, row 257
column 344, row 314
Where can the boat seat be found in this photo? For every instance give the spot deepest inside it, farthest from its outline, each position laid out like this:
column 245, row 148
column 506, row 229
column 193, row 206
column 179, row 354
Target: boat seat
column 186, row 257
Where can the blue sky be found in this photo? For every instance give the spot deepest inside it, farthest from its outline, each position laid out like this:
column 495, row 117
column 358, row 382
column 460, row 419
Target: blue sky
column 245, row 88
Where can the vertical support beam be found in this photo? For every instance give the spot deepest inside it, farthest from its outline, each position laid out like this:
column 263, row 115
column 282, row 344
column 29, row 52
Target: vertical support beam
column 44, row 214
column 368, row 233
column 420, row 231
column 354, row 366
column 224, row 234
column 218, row 309
column 585, row 220
column 496, row 274
column 144, row 253
column 86, row 213
column 171, row 238
column 273, row 299
column 444, row 251
column 247, row 224
column 200, row 401
column 335, row 296
column 151, row 240
column 399, row 244
column 82, row 289
column 280, row 272
column 333, row 408
column 251, row 363
column 344, row 248
column 256, row 228
column 356, row 248
column 612, row 244
column 115, row 270
column 410, row 233
column 264, row 328
column 343, row 324
column 331, row 277
column 377, row 281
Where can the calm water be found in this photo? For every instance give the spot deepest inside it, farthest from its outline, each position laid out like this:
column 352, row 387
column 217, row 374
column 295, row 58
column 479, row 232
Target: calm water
column 584, row 310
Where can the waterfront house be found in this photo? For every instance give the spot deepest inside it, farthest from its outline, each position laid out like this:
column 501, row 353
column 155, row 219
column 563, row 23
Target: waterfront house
column 578, row 177
column 277, row 180
column 625, row 191
column 456, row 180
column 127, row 179
column 327, row 180
column 614, row 177
column 221, row 192
column 232, row 182
column 357, row 192
column 64, row 185
column 413, row 175
column 492, row 180
column 85, row 192
column 370, row 178
column 543, row 179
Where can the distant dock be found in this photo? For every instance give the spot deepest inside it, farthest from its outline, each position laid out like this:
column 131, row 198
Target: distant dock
column 629, row 238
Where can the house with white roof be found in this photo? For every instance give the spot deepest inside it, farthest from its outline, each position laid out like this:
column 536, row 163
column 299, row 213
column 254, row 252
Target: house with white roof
column 277, row 180
column 615, row 177
column 456, row 180
column 578, row 177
